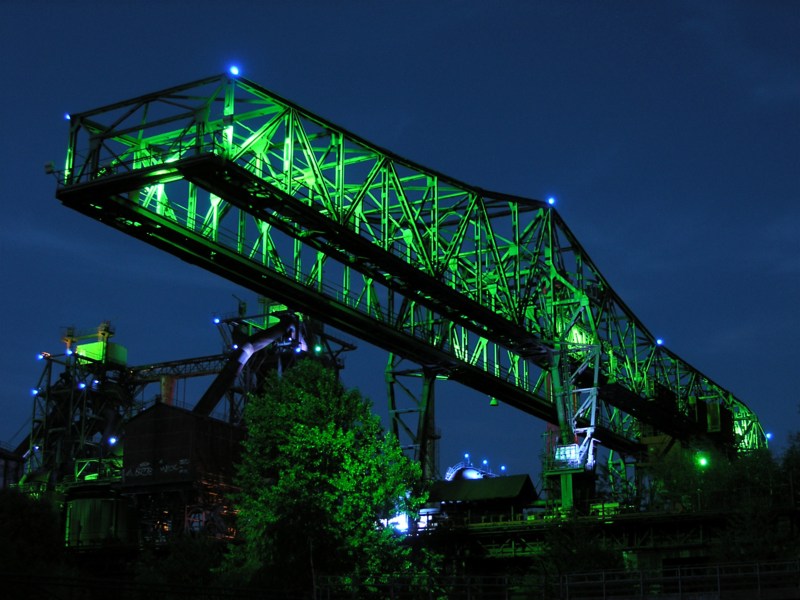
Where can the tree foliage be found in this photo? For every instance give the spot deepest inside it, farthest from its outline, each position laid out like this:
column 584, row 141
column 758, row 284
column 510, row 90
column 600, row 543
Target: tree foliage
column 183, row 561
column 31, row 535
column 317, row 474
column 749, row 492
column 790, row 461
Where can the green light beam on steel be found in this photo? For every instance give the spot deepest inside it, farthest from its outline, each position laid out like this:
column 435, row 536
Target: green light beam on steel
column 471, row 276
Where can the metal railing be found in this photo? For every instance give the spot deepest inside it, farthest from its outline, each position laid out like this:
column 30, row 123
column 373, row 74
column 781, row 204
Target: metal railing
column 748, row 581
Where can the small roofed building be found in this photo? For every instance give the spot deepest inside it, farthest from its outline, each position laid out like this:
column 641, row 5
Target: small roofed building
column 505, row 496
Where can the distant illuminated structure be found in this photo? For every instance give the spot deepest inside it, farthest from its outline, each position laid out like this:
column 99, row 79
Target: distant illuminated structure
column 466, row 470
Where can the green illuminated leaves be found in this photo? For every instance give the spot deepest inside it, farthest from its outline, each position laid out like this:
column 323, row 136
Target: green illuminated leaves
column 317, row 475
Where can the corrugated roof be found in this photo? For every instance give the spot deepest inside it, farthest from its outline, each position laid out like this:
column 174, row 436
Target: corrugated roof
column 510, row 488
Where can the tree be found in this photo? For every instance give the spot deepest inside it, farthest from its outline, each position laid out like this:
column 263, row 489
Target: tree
column 790, row 470
column 31, row 535
column 790, row 462
column 745, row 494
column 317, row 474
column 748, row 492
column 183, row 561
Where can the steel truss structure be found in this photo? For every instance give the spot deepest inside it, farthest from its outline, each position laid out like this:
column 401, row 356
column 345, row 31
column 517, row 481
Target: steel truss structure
column 484, row 288
column 81, row 403
column 87, row 393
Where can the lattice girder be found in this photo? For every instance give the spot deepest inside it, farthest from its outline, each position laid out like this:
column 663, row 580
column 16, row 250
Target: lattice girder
column 488, row 286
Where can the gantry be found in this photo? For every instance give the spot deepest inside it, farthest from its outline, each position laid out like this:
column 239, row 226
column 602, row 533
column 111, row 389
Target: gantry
column 487, row 289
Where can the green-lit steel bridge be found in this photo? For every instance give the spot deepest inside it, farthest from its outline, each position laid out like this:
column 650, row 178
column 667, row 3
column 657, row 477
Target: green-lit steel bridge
column 484, row 288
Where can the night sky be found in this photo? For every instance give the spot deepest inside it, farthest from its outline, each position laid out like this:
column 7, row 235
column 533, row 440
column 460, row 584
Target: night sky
column 668, row 132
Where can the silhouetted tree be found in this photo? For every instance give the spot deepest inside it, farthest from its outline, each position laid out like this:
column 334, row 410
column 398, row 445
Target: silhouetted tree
column 184, row 561
column 677, row 483
column 748, row 492
column 790, row 462
column 790, row 471
column 31, row 536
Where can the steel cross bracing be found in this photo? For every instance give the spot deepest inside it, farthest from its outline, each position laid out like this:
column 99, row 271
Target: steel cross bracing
column 77, row 398
column 488, row 289
column 179, row 369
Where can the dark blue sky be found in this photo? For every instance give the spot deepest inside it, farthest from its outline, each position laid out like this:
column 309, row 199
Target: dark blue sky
column 669, row 133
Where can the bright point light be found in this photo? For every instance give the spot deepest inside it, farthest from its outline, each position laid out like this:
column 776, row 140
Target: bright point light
column 67, row 116
column 399, row 523
column 466, row 455
column 485, row 462
column 216, row 320
column 68, row 352
column 34, row 392
column 298, row 350
column 768, row 436
column 112, row 440
column 234, row 70
column 551, row 201
column 235, row 346
column 40, row 356
column 659, row 341
column 502, row 468
column 317, row 348
column 81, row 386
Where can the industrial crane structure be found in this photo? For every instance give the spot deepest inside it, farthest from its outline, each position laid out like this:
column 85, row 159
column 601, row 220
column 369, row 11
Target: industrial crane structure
column 121, row 449
column 483, row 288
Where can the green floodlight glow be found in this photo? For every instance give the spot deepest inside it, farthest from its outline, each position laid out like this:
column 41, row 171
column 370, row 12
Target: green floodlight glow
column 702, row 461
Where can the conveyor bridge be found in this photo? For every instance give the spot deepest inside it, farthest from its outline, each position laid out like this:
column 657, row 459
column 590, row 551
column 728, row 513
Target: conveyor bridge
column 488, row 289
